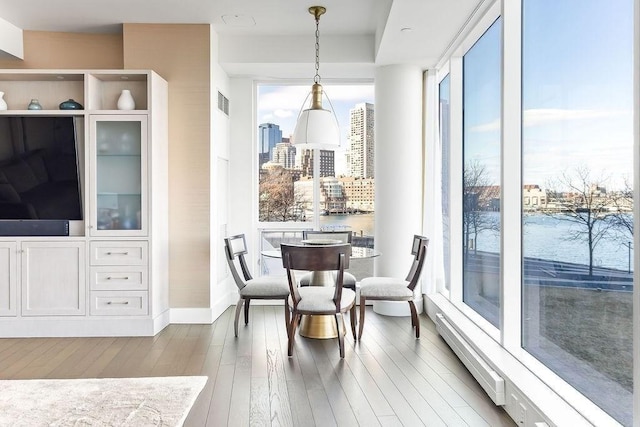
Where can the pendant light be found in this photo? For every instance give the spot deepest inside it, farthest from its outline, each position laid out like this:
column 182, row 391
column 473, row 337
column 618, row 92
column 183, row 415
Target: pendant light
column 317, row 127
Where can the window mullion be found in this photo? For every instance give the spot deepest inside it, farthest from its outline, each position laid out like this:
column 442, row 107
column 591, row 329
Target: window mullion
column 455, row 180
column 511, row 200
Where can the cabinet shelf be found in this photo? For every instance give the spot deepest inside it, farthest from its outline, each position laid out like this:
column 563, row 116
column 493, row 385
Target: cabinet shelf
column 79, row 113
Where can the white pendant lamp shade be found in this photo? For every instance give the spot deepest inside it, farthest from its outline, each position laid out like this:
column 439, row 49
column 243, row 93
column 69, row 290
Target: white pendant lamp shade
column 316, row 128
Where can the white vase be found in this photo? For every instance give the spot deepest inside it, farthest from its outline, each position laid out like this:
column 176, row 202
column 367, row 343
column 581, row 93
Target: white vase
column 3, row 103
column 126, row 102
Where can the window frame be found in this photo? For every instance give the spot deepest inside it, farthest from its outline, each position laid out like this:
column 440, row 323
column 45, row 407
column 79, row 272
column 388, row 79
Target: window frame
column 509, row 335
column 456, row 168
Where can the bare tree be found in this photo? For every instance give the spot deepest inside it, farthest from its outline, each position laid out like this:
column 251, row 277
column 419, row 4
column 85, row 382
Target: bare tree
column 577, row 198
column 278, row 200
column 479, row 197
column 623, row 203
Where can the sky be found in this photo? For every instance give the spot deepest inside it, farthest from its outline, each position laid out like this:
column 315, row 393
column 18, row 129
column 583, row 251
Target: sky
column 577, row 92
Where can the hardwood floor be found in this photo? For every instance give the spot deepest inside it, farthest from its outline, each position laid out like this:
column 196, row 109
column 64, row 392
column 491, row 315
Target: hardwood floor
column 388, row 379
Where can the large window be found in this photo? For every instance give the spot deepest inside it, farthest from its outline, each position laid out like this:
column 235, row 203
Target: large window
column 539, row 104
column 331, row 190
column 481, row 175
column 577, row 145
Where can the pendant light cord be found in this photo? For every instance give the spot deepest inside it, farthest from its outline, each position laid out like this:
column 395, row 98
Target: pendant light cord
column 316, row 78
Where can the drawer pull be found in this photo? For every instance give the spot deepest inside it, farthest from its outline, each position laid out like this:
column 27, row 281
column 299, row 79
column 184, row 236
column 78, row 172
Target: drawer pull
column 118, row 253
column 116, row 302
column 118, row 278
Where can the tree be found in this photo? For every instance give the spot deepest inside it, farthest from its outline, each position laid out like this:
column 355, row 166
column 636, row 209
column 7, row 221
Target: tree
column 623, row 217
column 278, row 200
column 478, row 198
column 577, row 198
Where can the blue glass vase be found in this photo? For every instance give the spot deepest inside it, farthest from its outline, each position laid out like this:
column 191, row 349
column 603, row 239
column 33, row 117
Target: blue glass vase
column 70, row 105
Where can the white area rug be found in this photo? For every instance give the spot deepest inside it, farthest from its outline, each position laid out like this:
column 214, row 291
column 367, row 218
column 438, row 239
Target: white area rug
column 138, row 402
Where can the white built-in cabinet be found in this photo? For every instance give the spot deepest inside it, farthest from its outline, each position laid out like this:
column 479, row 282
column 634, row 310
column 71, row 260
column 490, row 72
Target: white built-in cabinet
column 53, row 278
column 8, row 278
column 109, row 277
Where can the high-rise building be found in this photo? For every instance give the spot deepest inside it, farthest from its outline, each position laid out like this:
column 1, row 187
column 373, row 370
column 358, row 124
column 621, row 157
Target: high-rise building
column 284, row 154
column 361, row 141
column 269, row 135
column 304, row 162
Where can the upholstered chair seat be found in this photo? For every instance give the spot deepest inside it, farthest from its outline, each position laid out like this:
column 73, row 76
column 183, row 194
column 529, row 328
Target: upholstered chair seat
column 320, row 298
column 389, row 288
column 266, row 286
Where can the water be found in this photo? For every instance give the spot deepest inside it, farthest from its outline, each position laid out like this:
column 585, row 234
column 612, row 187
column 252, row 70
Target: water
column 545, row 237
column 549, row 237
column 360, row 224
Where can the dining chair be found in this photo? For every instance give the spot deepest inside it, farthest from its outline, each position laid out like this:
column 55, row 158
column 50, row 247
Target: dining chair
column 395, row 288
column 344, row 237
column 264, row 287
column 319, row 300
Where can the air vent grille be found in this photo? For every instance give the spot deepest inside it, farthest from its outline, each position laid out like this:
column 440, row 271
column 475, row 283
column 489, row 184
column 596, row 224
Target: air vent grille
column 223, row 103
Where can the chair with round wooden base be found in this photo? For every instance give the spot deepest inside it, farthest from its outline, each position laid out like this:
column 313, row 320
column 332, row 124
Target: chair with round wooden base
column 265, row 287
column 319, row 300
column 395, row 288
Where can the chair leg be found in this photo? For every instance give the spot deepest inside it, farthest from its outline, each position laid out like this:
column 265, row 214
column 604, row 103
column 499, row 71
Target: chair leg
column 238, row 309
column 287, row 312
column 414, row 318
column 292, row 332
column 246, row 311
column 361, row 320
column 340, row 334
column 352, row 313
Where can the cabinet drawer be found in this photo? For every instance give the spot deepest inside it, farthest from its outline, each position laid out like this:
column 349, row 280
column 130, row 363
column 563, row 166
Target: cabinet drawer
column 116, row 278
column 118, row 253
column 123, row 303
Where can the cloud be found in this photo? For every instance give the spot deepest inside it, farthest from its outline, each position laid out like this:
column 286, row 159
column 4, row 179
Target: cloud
column 487, row 127
column 282, row 114
column 539, row 116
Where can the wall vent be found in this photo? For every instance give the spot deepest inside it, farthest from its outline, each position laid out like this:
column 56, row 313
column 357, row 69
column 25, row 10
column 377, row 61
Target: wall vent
column 491, row 382
column 223, row 103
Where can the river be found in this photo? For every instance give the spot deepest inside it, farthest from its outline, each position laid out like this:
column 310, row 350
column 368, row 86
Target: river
column 545, row 237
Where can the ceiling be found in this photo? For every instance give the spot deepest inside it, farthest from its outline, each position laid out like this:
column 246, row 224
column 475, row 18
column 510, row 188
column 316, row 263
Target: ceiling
column 429, row 25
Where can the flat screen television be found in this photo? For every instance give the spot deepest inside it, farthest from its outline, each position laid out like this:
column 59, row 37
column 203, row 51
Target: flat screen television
column 39, row 170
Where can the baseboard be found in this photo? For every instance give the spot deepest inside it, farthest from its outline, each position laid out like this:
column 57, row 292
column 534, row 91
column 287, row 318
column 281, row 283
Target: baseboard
column 191, row 316
column 161, row 321
column 528, row 399
column 491, row 382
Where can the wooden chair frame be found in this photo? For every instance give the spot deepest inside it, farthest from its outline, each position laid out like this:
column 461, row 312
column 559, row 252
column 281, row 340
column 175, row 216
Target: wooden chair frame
column 236, row 249
column 318, row 258
column 419, row 250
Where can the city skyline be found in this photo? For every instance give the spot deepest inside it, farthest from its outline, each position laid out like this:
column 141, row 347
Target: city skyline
column 280, row 104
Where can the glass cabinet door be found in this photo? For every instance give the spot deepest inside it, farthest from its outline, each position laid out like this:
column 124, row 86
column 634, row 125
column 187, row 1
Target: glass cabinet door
column 118, row 171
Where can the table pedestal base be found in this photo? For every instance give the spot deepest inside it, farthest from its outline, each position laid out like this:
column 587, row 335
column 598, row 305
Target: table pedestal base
column 320, row 326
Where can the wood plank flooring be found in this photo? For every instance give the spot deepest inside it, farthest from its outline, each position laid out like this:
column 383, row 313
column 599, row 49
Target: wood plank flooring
column 387, row 379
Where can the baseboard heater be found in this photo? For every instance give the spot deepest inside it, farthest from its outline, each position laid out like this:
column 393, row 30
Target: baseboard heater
column 491, row 382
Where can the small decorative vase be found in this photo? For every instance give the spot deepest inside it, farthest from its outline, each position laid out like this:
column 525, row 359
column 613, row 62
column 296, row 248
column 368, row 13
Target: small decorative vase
column 126, row 102
column 34, row 105
column 70, row 105
column 3, row 103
